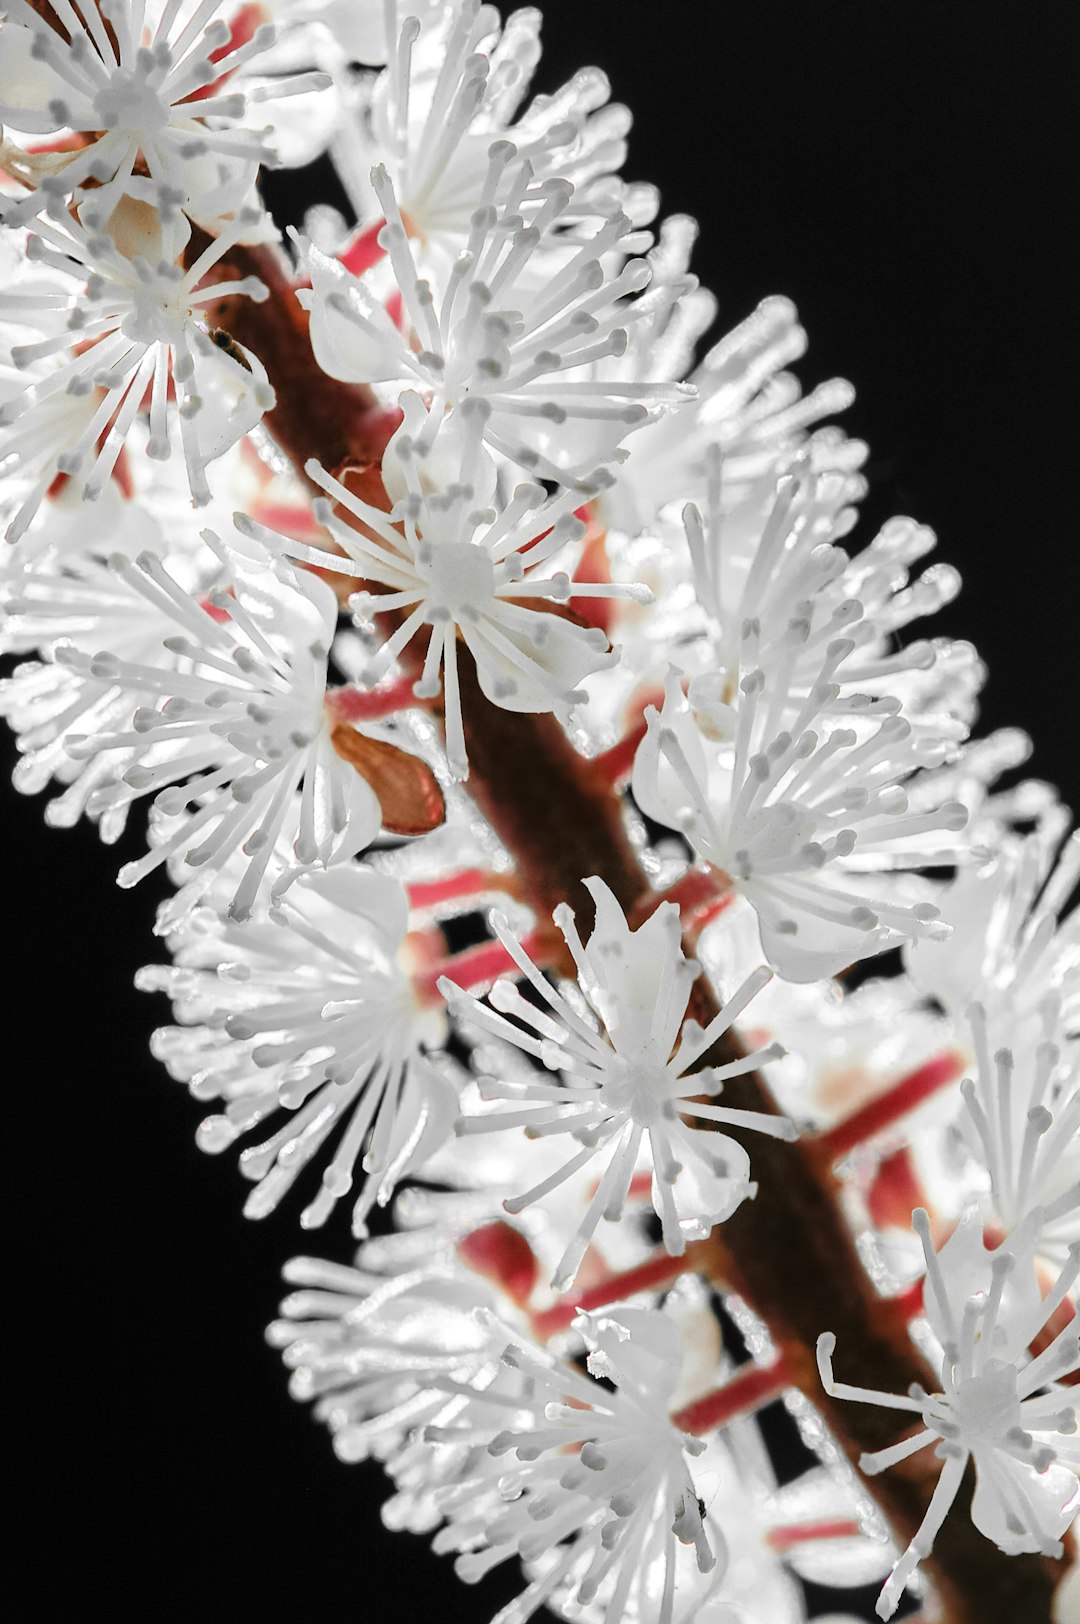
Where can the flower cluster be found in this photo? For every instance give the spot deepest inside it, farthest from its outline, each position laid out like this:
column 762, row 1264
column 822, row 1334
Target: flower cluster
column 532, row 754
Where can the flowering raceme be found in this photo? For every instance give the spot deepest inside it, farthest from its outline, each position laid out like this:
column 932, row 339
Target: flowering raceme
column 535, row 752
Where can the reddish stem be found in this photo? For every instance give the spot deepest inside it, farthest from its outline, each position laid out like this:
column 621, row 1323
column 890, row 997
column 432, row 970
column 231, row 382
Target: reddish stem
column 478, row 966
column 351, row 704
column 897, row 1102
column 895, row 1191
column 782, row 1539
column 700, row 895
column 468, row 883
column 364, row 250
column 315, row 415
column 750, row 1389
column 614, row 766
column 656, row 1272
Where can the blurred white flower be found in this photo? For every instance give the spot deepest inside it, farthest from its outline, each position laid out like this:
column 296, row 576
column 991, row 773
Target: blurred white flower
column 453, row 89
column 802, row 591
column 311, row 1011
column 516, row 345
column 374, row 1351
column 798, row 814
column 250, row 711
column 1011, row 951
column 601, row 1493
column 82, row 605
column 749, row 418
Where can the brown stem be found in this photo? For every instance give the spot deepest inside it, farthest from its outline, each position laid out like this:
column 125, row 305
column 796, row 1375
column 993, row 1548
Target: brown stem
column 315, row 415
column 791, row 1252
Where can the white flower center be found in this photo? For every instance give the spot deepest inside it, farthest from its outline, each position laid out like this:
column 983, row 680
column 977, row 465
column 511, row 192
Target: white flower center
column 156, row 316
column 130, row 102
column 985, row 1407
column 772, row 833
column 637, row 1086
column 459, row 575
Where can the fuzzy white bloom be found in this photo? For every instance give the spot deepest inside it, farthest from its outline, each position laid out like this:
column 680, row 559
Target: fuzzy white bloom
column 344, row 31
column 749, row 418
column 803, row 591
column 453, row 90
column 600, row 1493
column 313, row 1012
column 376, row 1352
column 629, row 1086
column 1021, row 1122
column 152, row 88
column 84, row 605
column 1010, row 981
column 407, row 1342
column 516, row 344
column 466, row 570
column 250, row 712
column 131, row 328
column 997, row 1406
column 1011, row 950
column 800, row 814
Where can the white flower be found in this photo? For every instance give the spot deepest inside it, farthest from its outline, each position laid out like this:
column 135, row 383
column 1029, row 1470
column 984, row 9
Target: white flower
column 631, row 1088
column 997, row 1407
column 250, row 711
column 1010, row 981
column 1021, row 1121
column 312, row 1012
column 600, row 1496
column 375, row 1351
column 519, row 345
column 802, row 591
column 83, row 605
column 749, row 418
column 466, row 571
column 1010, row 952
column 347, row 31
column 800, row 815
column 130, row 330
column 448, row 95
column 154, row 92
column 466, row 1180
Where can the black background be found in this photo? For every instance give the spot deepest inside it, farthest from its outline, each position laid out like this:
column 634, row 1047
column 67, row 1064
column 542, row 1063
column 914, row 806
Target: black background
column 907, row 175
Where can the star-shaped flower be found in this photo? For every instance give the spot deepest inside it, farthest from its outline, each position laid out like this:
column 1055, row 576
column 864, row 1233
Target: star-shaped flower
column 997, row 1406
column 627, row 1089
